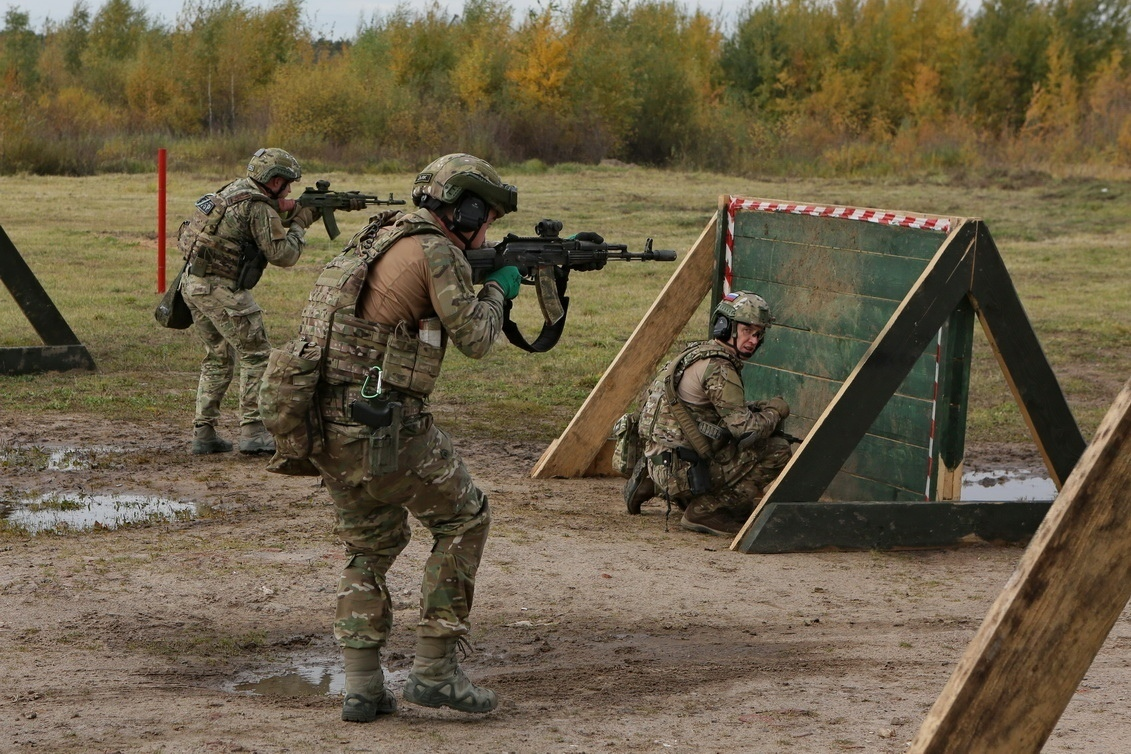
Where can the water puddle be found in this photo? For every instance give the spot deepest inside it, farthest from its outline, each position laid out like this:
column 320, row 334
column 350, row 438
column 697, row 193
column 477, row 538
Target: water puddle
column 305, row 678
column 82, row 512
column 1003, row 485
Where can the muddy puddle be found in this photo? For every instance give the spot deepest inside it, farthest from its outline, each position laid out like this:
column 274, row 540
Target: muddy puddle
column 70, row 512
column 307, row 676
column 1005, row 485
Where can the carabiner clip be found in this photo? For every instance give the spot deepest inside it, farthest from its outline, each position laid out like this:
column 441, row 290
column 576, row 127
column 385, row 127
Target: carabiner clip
column 374, row 371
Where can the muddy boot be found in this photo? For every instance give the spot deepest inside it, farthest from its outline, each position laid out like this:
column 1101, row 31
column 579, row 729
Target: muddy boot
column 254, row 438
column 436, row 679
column 639, row 488
column 205, row 440
column 719, row 521
column 366, row 695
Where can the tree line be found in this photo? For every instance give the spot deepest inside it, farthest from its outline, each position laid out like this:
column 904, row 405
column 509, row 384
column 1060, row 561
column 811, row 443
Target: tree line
column 801, row 86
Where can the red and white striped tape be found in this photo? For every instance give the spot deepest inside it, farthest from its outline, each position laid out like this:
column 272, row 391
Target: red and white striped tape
column 879, row 216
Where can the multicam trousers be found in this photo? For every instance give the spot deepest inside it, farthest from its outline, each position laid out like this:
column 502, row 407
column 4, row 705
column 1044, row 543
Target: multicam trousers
column 736, row 483
column 433, row 485
column 230, row 324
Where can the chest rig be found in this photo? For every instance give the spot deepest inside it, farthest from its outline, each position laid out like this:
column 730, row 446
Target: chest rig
column 670, row 422
column 206, row 251
column 352, row 345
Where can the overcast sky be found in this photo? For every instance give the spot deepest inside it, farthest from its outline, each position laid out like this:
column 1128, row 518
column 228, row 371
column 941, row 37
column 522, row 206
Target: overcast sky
column 336, row 19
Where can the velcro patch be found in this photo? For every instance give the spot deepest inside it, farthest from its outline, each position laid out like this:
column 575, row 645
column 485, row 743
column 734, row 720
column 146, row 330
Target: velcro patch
column 206, row 204
column 424, row 178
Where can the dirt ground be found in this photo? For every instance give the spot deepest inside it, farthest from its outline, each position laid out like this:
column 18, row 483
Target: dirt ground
column 600, row 631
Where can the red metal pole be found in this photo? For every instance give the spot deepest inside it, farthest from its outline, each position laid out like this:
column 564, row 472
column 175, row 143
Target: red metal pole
column 160, row 220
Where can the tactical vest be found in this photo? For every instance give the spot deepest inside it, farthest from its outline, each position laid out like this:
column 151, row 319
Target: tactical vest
column 659, row 419
column 206, row 252
column 352, row 345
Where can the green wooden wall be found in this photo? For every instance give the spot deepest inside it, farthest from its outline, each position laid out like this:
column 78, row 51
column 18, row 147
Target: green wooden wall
column 832, row 284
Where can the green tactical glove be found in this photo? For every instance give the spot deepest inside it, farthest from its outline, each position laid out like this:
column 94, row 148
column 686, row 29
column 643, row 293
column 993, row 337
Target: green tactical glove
column 779, row 405
column 508, row 279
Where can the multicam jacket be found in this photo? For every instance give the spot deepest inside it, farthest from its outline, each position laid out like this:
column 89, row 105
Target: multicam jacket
column 237, row 216
column 720, row 379
column 409, row 364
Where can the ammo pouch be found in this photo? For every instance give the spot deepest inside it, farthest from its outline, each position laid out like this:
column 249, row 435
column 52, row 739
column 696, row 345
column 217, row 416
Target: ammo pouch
column 410, row 364
column 287, row 399
column 383, row 418
column 250, row 268
column 626, row 444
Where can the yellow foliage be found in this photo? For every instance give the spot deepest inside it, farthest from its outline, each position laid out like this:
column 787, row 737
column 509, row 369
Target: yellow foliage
column 542, row 64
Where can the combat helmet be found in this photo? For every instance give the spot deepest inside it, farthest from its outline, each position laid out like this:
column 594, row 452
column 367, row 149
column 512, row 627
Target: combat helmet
column 269, row 162
column 446, row 179
column 739, row 306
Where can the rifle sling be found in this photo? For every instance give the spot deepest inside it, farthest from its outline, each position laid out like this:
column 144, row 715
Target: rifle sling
column 699, row 434
column 550, row 334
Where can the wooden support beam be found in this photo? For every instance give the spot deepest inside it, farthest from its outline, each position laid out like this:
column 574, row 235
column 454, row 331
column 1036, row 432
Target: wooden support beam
column 880, row 525
column 63, row 350
column 1041, row 635
column 1023, row 362
column 572, row 453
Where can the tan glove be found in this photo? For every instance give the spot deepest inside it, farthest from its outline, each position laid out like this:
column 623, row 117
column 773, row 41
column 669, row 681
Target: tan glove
column 356, row 204
column 304, row 217
column 778, row 405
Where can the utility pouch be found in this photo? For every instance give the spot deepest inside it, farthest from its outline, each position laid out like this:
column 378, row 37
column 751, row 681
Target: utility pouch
column 410, row 364
column 698, row 473
column 250, row 268
column 626, row 444
column 199, row 264
column 383, row 418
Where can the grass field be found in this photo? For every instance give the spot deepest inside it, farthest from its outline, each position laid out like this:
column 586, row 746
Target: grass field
column 92, row 244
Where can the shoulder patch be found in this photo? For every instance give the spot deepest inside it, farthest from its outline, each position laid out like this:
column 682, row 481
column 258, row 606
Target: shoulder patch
column 206, row 203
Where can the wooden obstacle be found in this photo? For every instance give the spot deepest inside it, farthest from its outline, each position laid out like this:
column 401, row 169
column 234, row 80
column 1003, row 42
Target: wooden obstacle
column 62, row 350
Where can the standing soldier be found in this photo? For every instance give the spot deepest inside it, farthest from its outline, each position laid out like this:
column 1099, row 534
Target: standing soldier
column 230, row 238
column 378, row 321
column 705, row 447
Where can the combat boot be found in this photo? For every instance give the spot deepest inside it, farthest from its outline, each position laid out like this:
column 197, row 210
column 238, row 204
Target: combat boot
column 366, row 695
column 254, row 438
column 639, row 488
column 437, row 680
column 719, row 521
column 205, row 440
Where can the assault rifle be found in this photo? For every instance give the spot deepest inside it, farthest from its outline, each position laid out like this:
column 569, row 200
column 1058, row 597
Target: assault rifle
column 545, row 260
column 322, row 198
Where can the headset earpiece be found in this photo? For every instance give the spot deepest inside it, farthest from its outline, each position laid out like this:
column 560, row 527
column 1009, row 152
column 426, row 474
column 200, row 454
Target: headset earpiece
column 721, row 329
column 470, row 213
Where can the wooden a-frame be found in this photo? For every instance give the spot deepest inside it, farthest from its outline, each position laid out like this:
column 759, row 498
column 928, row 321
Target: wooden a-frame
column 1045, row 628
column 967, row 266
column 62, row 350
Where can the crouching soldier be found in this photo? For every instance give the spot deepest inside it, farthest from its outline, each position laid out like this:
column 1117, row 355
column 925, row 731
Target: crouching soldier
column 704, row 447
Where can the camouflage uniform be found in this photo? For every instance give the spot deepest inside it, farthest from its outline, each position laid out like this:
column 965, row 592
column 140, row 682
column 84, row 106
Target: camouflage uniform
column 227, row 320
column 433, row 280
column 708, row 377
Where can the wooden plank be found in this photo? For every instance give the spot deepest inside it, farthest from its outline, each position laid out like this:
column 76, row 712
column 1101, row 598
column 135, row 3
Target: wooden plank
column 839, row 270
column 1045, row 628
column 834, row 358
column 899, row 464
column 903, row 418
column 922, row 312
column 1023, row 362
column 32, row 299
column 35, row 359
column 572, row 453
column 845, row 487
column 819, row 310
column 874, row 525
column 839, row 233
